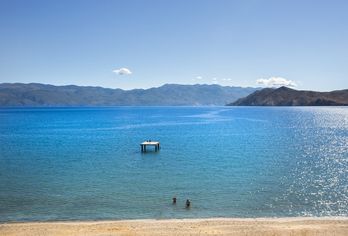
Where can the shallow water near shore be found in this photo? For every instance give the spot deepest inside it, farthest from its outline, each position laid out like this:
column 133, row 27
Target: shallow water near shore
column 86, row 163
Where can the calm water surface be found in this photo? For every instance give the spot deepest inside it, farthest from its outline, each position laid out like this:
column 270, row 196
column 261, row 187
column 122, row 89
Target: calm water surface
column 85, row 163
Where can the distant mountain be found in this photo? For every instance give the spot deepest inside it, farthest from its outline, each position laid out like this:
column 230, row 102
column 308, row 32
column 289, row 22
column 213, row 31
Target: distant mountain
column 284, row 96
column 17, row 94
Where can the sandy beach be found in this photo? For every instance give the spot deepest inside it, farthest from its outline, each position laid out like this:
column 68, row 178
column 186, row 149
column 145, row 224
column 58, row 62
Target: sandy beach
column 215, row 226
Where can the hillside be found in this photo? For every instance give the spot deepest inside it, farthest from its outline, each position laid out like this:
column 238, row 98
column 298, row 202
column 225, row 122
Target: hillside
column 18, row 94
column 284, row 96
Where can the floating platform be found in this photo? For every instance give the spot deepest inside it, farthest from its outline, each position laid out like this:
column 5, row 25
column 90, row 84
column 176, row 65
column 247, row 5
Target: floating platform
column 155, row 144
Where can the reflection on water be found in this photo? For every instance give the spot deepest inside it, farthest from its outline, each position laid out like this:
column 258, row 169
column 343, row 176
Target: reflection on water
column 85, row 163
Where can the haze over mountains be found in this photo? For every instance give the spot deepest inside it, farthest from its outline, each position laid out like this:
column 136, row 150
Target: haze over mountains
column 284, row 96
column 34, row 94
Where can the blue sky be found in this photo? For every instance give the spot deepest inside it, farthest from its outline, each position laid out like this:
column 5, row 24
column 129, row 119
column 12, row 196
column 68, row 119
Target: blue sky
column 237, row 43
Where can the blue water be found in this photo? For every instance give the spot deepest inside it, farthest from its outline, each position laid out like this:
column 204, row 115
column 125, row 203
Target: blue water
column 86, row 164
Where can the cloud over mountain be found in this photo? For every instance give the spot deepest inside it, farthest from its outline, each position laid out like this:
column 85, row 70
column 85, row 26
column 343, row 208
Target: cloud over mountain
column 276, row 82
column 122, row 71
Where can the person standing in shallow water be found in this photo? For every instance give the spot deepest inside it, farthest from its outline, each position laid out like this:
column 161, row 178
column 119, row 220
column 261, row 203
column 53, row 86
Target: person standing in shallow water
column 188, row 203
column 174, row 200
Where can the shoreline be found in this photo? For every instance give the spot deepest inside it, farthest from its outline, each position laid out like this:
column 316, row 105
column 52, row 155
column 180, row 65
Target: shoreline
column 196, row 226
column 275, row 218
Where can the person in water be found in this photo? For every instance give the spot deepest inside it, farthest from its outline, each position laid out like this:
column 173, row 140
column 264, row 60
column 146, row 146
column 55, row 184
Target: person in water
column 174, row 200
column 188, row 203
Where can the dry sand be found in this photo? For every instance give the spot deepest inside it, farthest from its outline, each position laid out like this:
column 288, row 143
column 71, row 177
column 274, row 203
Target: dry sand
column 223, row 226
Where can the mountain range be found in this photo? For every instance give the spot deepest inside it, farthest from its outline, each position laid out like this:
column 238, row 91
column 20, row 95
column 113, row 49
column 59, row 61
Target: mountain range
column 284, row 96
column 34, row 94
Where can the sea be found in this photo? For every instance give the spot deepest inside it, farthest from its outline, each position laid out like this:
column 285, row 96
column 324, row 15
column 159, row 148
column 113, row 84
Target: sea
column 85, row 163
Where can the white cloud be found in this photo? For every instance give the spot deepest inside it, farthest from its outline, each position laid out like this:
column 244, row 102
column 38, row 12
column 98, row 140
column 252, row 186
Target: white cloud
column 227, row 79
column 199, row 77
column 276, row 82
column 122, row 71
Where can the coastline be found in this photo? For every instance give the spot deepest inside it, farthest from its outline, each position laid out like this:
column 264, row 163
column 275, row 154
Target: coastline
column 204, row 226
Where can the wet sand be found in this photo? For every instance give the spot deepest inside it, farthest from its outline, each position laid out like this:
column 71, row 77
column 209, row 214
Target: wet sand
column 215, row 226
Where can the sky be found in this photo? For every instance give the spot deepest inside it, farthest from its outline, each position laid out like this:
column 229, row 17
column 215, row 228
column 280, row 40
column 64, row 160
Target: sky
column 147, row 43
